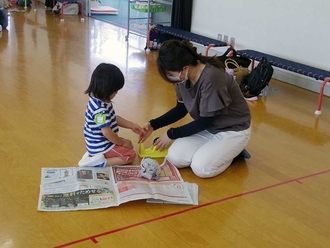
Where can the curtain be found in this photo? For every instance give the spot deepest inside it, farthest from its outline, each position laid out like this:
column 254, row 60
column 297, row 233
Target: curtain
column 181, row 14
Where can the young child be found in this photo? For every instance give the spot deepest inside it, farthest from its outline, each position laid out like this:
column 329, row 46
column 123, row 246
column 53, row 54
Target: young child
column 104, row 146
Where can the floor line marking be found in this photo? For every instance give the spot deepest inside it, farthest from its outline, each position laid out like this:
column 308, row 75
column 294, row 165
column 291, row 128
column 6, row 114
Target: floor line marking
column 94, row 237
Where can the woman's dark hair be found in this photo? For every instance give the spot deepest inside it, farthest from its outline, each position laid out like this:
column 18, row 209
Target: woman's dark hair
column 173, row 55
column 106, row 79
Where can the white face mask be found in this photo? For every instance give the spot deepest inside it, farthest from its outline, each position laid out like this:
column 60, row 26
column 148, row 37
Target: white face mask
column 177, row 78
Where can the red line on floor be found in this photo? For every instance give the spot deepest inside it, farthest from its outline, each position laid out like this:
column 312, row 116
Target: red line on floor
column 93, row 238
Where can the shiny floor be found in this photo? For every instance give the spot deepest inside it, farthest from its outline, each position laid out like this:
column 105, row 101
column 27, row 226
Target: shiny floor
column 278, row 198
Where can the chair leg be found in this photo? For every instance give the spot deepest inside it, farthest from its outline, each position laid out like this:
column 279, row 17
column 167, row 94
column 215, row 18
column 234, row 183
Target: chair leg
column 319, row 104
column 252, row 65
column 81, row 11
column 62, row 11
column 208, row 48
column 148, row 38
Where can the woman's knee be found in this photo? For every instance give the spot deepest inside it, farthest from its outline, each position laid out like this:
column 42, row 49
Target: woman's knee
column 182, row 150
column 209, row 169
column 178, row 161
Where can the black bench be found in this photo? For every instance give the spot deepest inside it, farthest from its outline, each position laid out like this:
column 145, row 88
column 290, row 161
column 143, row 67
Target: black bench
column 185, row 35
column 292, row 66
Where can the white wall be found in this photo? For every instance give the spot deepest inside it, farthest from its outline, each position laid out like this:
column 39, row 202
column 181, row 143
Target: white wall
column 297, row 30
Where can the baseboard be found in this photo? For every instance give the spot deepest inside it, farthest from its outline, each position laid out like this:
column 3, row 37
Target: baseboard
column 285, row 76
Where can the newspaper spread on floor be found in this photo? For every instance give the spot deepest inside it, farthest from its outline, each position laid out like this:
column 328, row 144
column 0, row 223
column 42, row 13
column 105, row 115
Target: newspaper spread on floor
column 83, row 188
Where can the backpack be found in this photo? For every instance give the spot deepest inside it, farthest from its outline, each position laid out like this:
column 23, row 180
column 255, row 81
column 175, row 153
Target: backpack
column 22, row 3
column 69, row 9
column 3, row 18
column 252, row 84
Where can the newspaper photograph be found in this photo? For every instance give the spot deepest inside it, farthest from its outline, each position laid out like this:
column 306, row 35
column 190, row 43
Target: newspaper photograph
column 77, row 188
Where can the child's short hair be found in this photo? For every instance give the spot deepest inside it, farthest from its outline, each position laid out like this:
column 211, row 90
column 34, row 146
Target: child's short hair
column 106, row 79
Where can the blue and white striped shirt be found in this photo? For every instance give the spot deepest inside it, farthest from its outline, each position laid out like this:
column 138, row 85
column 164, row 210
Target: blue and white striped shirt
column 98, row 115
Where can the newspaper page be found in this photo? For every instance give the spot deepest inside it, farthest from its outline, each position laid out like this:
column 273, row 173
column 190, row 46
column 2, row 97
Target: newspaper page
column 77, row 188
column 193, row 191
column 170, row 186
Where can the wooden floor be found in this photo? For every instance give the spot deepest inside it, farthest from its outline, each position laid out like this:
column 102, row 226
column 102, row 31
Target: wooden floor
column 278, row 198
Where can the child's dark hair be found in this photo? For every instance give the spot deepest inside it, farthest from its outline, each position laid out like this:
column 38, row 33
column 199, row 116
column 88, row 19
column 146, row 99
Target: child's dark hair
column 106, row 79
column 173, row 55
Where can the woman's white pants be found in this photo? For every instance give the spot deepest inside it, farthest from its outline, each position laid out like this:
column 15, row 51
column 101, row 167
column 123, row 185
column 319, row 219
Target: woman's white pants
column 208, row 154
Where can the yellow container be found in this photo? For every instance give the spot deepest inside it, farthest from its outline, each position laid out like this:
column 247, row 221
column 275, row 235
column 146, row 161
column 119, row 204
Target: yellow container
column 151, row 152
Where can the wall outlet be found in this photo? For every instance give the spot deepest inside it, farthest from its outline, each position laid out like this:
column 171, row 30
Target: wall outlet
column 232, row 41
column 219, row 37
column 225, row 38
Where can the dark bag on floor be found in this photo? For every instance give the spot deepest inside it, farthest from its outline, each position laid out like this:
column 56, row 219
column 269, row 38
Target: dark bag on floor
column 252, row 84
column 3, row 18
column 244, row 62
column 49, row 3
column 69, row 9
column 22, row 3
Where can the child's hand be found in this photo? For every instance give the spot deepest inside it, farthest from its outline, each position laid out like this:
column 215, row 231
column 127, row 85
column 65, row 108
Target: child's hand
column 137, row 129
column 127, row 143
column 147, row 130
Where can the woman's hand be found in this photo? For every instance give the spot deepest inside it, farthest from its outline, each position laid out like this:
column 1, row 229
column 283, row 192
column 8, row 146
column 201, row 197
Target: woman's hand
column 147, row 131
column 162, row 142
